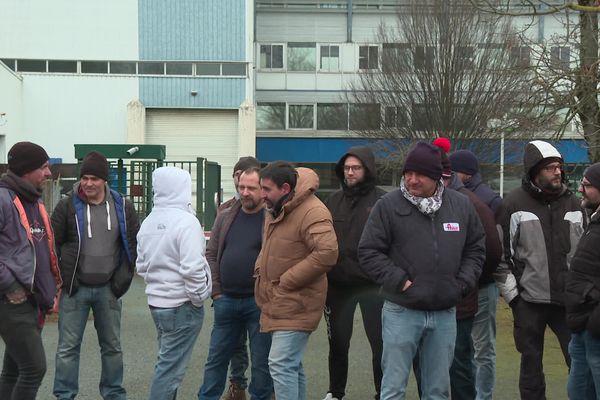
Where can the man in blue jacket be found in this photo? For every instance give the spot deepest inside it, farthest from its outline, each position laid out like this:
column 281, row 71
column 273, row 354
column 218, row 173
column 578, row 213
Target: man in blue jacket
column 424, row 246
column 29, row 275
column 95, row 230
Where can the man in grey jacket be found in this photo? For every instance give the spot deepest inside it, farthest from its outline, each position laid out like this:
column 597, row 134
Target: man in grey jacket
column 425, row 247
column 95, row 230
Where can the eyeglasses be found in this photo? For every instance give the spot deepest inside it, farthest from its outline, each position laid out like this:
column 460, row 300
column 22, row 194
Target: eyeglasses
column 585, row 185
column 552, row 167
column 354, row 168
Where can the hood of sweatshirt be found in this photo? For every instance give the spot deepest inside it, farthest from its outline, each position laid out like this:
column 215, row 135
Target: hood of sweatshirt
column 172, row 188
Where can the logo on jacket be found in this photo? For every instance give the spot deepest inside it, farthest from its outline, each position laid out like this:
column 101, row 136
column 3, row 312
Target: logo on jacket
column 451, row 227
column 161, row 227
column 38, row 231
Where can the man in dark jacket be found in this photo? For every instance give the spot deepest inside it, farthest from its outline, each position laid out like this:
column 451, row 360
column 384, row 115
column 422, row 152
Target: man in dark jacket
column 425, row 247
column 95, row 230
column 582, row 297
column 465, row 166
column 29, row 276
column 540, row 225
column 348, row 285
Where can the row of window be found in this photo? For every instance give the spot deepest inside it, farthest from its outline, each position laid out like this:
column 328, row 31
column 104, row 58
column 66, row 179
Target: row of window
column 308, row 56
column 331, row 116
column 128, row 67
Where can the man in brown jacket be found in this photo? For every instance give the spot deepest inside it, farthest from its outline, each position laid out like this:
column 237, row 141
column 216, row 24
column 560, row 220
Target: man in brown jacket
column 299, row 247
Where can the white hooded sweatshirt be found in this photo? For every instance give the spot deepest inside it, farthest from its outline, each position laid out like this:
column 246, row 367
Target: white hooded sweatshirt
column 171, row 244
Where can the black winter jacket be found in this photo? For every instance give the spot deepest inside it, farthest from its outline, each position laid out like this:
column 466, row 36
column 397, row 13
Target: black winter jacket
column 350, row 208
column 67, row 223
column 582, row 294
column 441, row 254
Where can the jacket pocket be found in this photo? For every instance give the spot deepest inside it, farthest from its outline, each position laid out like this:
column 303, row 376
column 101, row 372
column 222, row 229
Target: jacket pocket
column 286, row 304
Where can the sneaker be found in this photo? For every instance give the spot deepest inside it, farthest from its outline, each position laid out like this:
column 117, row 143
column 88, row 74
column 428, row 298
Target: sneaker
column 330, row 397
column 235, row 392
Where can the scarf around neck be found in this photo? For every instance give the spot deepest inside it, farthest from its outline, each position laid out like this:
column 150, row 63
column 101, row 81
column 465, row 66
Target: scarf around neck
column 25, row 190
column 426, row 205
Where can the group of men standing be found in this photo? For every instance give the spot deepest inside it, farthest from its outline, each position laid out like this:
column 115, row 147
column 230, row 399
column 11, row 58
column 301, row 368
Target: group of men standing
column 423, row 263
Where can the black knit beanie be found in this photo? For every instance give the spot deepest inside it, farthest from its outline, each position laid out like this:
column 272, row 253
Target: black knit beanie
column 246, row 162
column 464, row 161
column 425, row 159
column 95, row 164
column 25, row 157
column 592, row 174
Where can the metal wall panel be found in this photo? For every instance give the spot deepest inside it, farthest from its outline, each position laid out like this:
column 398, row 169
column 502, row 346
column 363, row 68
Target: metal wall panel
column 192, row 30
column 177, row 92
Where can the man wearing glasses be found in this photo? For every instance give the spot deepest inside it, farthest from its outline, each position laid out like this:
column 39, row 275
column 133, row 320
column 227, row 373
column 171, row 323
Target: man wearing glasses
column 540, row 225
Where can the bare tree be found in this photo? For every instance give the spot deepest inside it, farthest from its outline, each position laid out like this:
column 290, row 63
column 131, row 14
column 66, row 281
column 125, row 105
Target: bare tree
column 574, row 89
column 448, row 69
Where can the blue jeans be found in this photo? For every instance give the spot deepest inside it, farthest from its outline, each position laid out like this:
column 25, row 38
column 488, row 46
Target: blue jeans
column 462, row 378
column 484, row 342
column 584, row 378
column 232, row 316
column 406, row 331
column 177, row 330
column 285, row 364
column 72, row 318
column 239, row 362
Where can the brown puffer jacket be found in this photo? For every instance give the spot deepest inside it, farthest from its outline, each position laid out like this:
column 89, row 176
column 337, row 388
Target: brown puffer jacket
column 299, row 248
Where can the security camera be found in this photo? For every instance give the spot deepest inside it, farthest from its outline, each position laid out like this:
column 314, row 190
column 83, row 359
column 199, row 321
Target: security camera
column 133, row 150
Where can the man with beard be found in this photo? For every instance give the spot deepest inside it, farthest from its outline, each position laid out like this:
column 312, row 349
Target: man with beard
column 299, row 247
column 348, row 285
column 583, row 297
column 29, row 275
column 234, row 245
column 540, row 224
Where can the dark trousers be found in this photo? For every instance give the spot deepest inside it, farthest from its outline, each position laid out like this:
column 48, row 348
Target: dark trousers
column 531, row 320
column 462, row 377
column 339, row 314
column 24, row 358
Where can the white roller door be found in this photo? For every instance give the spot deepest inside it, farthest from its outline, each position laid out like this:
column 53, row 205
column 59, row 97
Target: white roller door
column 212, row 134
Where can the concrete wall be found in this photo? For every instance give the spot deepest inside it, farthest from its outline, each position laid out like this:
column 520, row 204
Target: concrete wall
column 11, row 110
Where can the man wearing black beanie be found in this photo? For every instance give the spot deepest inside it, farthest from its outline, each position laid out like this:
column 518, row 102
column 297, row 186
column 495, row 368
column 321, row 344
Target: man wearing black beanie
column 424, row 246
column 95, row 230
column 29, row 276
column 582, row 298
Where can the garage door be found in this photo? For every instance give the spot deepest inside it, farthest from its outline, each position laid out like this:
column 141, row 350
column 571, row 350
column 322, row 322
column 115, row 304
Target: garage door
column 188, row 134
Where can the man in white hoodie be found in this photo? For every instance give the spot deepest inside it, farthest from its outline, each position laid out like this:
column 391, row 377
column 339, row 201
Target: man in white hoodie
column 171, row 260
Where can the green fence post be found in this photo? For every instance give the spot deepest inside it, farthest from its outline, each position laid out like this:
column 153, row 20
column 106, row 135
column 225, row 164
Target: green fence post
column 200, row 189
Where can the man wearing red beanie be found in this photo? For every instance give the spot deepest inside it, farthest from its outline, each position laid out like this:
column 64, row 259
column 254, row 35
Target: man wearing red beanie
column 29, row 276
column 95, row 230
column 424, row 246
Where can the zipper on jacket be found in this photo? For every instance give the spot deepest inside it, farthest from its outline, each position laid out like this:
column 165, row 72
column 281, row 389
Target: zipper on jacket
column 435, row 242
column 34, row 264
column 78, row 251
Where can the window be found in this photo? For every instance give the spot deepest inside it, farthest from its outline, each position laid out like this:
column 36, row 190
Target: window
column 301, row 116
column 234, row 69
column 395, row 57
column 31, row 65
column 301, row 56
column 394, row 117
column 365, row 117
column 270, row 116
column 94, row 67
column 271, row 56
column 560, row 56
column 332, row 117
column 10, row 63
column 177, row 68
column 208, row 69
column 151, row 68
column 424, row 57
column 419, row 118
column 329, row 58
column 62, row 66
column 122, row 67
column 520, row 56
column 368, row 57
column 465, row 57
